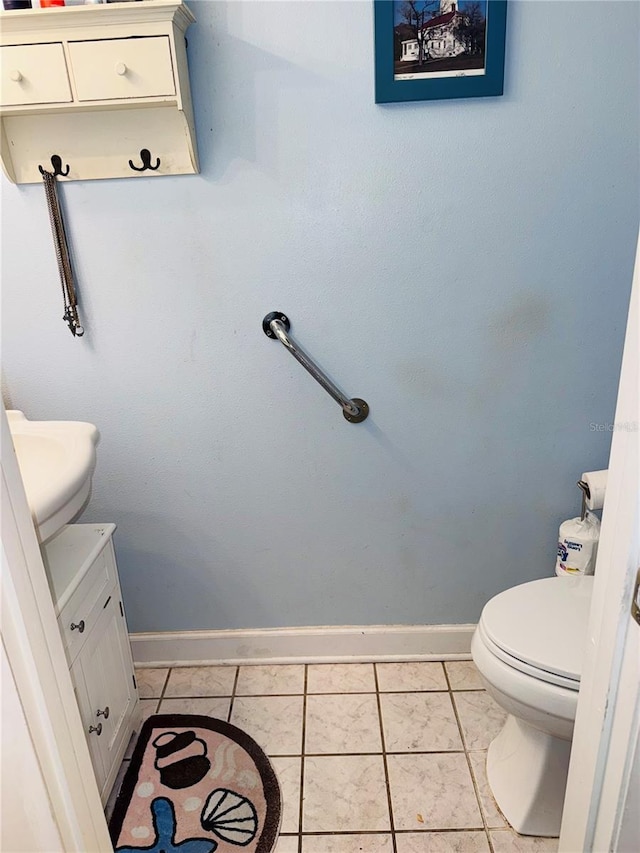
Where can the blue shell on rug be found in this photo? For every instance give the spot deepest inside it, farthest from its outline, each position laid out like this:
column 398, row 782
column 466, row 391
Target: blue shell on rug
column 164, row 825
column 230, row 816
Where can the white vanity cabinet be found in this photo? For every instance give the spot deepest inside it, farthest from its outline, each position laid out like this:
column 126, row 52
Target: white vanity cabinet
column 86, row 591
column 95, row 86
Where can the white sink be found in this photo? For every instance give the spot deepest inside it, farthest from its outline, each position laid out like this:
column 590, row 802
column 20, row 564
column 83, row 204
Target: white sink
column 57, row 460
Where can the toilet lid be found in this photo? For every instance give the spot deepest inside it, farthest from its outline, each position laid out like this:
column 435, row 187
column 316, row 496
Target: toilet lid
column 542, row 623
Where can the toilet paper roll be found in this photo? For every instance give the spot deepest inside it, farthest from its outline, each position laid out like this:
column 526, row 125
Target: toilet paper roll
column 597, row 484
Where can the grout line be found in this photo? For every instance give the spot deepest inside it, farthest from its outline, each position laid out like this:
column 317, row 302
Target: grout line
column 377, row 752
column 420, row 832
column 466, row 755
column 233, row 693
column 384, row 762
column 391, row 692
column 164, row 688
column 302, row 758
column 190, row 696
column 440, row 830
column 301, row 693
column 267, row 695
column 459, row 722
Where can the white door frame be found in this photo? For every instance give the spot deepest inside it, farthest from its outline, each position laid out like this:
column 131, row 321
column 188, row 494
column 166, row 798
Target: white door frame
column 36, row 656
column 599, row 773
column 606, row 730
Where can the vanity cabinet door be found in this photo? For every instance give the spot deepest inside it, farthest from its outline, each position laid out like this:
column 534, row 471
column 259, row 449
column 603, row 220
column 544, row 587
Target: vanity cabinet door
column 116, row 669
column 83, row 611
column 87, row 692
column 107, row 695
column 83, row 577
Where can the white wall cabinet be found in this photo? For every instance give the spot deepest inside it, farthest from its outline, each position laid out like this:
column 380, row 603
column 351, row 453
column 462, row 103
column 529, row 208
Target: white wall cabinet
column 95, row 85
column 86, row 591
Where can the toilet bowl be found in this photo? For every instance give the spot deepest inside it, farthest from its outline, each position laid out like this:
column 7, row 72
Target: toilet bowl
column 528, row 649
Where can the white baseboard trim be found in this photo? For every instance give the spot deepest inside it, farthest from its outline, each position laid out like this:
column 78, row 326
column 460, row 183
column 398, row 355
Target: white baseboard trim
column 330, row 644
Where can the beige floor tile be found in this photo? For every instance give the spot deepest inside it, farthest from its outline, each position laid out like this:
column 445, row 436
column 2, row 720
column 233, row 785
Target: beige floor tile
column 275, row 722
column 508, row 841
column 442, row 842
column 288, row 773
column 405, row 677
column 287, row 844
column 201, row 681
column 208, row 706
column 345, row 793
column 480, row 718
column 361, row 843
column 151, row 681
column 267, row 680
column 492, row 814
column 419, row 722
column 341, row 678
column 148, row 707
column 463, row 675
column 342, row 723
column 432, row 792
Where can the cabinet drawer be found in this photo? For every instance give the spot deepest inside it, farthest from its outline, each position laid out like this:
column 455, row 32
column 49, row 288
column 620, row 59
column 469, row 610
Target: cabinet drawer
column 33, row 74
column 85, row 606
column 111, row 69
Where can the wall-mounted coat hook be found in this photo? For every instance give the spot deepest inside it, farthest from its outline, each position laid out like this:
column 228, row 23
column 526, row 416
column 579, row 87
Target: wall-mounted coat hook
column 145, row 156
column 56, row 165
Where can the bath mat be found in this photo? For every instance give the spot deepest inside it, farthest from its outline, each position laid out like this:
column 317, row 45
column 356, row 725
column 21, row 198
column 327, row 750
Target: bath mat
column 196, row 785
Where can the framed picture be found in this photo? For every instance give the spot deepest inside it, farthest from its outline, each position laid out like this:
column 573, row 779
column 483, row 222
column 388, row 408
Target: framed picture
column 434, row 49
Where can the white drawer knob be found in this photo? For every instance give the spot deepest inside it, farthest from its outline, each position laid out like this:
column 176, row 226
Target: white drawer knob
column 15, row 75
column 121, row 69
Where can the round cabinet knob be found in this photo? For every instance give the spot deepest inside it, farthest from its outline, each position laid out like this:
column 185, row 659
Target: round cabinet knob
column 97, row 729
column 121, row 69
column 15, row 75
column 104, row 713
column 78, row 627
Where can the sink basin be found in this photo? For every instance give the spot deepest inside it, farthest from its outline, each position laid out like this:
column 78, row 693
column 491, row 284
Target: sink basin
column 57, row 460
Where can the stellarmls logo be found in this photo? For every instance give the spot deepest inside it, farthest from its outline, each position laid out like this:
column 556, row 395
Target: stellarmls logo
column 625, row 426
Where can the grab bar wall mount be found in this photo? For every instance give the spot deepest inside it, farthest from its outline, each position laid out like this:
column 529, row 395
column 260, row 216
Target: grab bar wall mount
column 276, row 325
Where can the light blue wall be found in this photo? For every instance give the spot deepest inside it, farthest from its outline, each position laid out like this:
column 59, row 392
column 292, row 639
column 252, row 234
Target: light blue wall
column 464, row 266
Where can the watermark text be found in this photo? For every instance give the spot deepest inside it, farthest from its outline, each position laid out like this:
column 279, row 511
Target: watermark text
column 623, row 426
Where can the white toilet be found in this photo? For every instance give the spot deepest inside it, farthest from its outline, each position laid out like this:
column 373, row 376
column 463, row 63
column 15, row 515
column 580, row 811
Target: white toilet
column 528, row 648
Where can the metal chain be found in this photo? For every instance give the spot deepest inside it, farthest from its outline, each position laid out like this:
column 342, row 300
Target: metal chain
column 62, row 255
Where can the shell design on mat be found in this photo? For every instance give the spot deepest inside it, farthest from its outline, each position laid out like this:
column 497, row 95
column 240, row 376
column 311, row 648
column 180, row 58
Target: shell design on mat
column 181, row 759
column 230, row 816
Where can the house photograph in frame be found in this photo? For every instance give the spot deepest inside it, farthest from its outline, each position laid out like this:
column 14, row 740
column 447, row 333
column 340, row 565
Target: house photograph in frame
column 437, row 49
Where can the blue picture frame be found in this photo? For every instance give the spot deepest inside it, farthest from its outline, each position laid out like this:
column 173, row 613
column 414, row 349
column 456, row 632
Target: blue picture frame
column 392, row 87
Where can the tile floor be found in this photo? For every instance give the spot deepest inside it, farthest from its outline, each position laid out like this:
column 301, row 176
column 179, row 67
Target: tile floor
column 380, row 758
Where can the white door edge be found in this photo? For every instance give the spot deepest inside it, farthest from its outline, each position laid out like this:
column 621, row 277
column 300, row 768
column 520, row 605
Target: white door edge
column 607, row 716
column 36, row 656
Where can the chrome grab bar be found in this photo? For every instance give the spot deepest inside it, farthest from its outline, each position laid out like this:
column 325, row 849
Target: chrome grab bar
column 276, row 325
